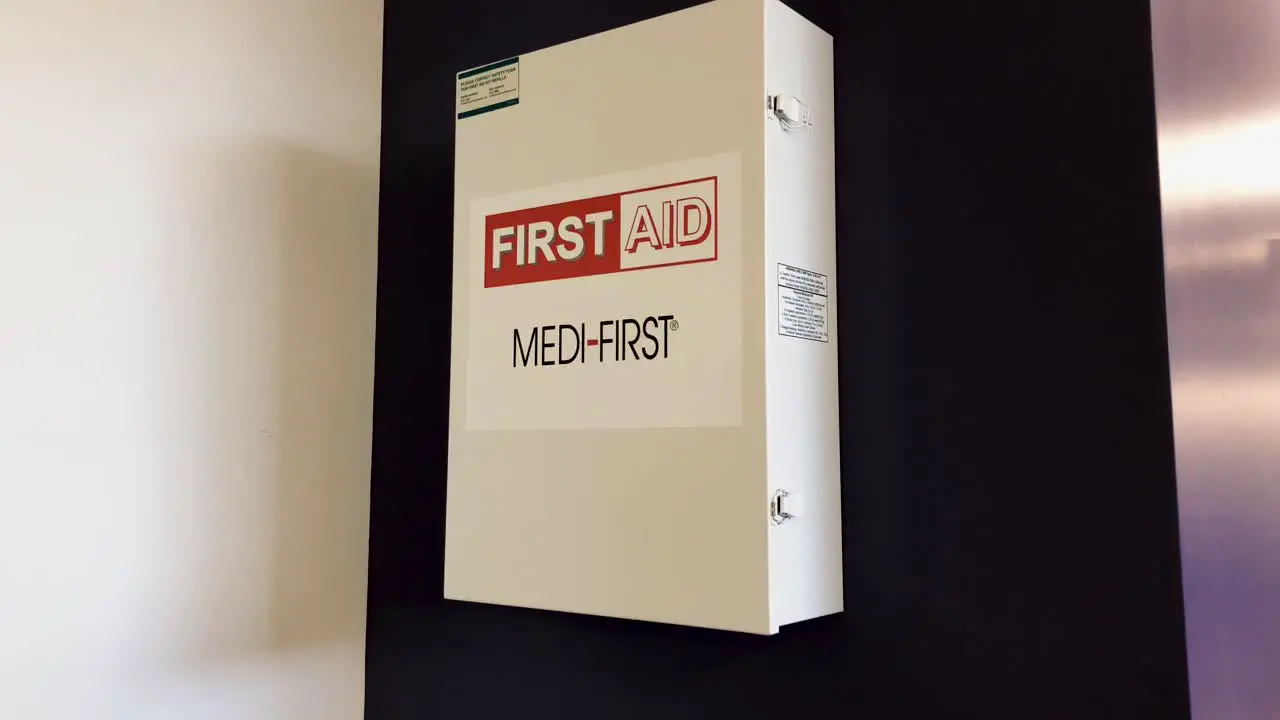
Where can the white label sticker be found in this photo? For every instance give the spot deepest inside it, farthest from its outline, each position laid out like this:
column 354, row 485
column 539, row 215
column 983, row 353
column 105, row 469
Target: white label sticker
column 802, row 303
column 485, row 89
column 610, row 303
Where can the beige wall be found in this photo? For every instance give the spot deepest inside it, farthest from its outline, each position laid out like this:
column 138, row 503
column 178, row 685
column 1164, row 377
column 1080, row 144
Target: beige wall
column 188, row 218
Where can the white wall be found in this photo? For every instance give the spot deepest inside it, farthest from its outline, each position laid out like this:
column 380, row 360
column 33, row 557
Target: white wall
column 188, row 218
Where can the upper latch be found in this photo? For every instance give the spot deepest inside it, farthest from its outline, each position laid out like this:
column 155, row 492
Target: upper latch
column 791, row 113
column 783, row 506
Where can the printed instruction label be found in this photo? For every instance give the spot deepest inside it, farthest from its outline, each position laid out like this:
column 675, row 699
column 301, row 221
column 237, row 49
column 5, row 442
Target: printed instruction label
column 802, row 303
column 492, row 87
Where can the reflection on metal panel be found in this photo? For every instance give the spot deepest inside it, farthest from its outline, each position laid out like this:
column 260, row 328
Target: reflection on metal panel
column 1218, row 102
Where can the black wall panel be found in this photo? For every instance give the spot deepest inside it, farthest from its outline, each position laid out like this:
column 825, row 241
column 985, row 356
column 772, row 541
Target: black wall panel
column 1011, row 533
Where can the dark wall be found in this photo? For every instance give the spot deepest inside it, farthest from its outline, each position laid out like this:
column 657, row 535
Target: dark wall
column 1011, row 542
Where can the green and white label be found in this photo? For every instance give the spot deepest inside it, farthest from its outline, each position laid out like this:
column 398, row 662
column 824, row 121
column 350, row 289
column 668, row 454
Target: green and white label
column 488, row 88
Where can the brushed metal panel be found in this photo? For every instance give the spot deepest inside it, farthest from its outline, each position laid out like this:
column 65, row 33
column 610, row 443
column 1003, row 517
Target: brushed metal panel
column 1217, row 67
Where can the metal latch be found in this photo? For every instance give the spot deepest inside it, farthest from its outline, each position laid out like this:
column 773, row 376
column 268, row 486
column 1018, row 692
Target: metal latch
column 782, row 507
column 790, row 112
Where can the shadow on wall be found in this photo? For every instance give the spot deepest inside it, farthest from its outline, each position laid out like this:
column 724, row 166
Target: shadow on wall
column 279, row 360
column 326, row 340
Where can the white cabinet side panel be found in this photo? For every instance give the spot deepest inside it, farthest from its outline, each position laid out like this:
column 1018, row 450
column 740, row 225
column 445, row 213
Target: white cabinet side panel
column 636, row 494
column 805, row 574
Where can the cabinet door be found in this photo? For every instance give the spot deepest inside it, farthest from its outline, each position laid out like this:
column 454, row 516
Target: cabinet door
column 606, row 414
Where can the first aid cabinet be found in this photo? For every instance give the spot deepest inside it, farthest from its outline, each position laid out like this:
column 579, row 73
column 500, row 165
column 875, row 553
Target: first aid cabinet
column 643, row 402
